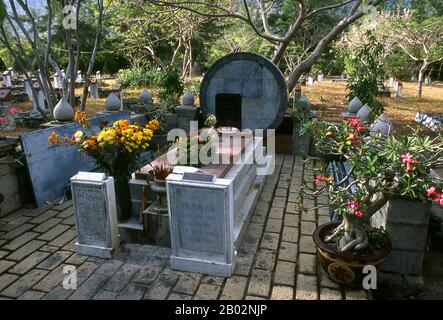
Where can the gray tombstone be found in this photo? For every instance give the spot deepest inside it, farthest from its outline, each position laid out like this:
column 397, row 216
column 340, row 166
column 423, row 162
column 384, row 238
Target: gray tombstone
column 27, row 86
column 93, row 90
column 95, row 215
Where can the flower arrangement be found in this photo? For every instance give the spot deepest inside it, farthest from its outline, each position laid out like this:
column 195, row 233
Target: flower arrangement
column 380, row 168
column 5, row 119
column 114, row 149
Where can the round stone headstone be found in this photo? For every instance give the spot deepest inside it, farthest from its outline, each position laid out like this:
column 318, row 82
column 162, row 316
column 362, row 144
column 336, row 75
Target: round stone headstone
column 364, row 112
column 146, row 96
column 246, row 86
column 63, row 111
column 112, row 103
column 355, row 105
column 188, row 99
column 382, row 125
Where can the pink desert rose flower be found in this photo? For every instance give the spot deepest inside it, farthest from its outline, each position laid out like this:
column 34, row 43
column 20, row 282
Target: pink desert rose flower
column 3, row 120
column 359, row 213
column 320, row 179
column 431, row 191
column 354, row 205
column 407, row 158
column 13, row 111
column 355, row 122
column 439, row 199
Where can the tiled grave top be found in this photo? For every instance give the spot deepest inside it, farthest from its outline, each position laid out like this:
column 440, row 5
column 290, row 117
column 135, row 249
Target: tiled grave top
column 260, row 83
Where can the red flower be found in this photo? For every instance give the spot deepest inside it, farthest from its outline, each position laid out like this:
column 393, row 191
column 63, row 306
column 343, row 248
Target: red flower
column 359, row 213
column 3, row 120
column 407, row 158
column 431, row 191
column 354, row 205
column 13, row 111
column 354, row 122
column 320, row 179
column 439, row 199
column 360, row 128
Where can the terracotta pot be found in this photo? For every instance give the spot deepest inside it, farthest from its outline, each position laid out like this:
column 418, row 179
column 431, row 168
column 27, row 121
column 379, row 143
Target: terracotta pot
column 345, row 268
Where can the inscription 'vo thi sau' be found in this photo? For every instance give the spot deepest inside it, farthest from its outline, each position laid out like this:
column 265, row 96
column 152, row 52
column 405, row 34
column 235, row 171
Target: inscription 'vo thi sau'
column 201, row 222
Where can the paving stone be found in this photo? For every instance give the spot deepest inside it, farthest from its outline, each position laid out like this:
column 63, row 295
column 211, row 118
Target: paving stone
column 188, row 283
column 44, row 216
column 54, row 232
column 122, row 277
column 3, row 254
column 309, row 216
column 132, row 292
column 290, row 234
column 30, row 262
column 26, row 250
column 292, row 208
column 24, row 283
column 307, row 245
column 2, row 242
column 323, row 211
column 265, row 259
column 109, row 268
column 69, row 221
column 89, row 288
column 20, row 241
column 325, row 281
column 270, row 241
column 66, row 213
column 9, row 225
column 266, row 196
column 285, row 273
column 6, row 279
column 212, row 280
column 244, row 264
column 276, row 213
column 97, row 260
column 17, row 231
column 288, row 251
column 59, row 293
column 85, row 270
column 178, row 296
column 54, row 260
column 32, row 295
column 308, row 227
column 306, row 287
column 47, row 225
column 34, row 212
column 273, row 225
column 279, row 202
column 66, row 204
column 284, row 181
column 70, row 245
column 260, row 283
column 330, row 294
column 147, row 276
column 323, row 220
column 281, row 192
column 259, row 218
column 234, row 288
column 291, row 220
column 207, row 292
column 282, row 293
column 355, row 294
column 48, row 248
column 52, row 280
column 105, row 295
column 76, row 259
column 307, row 264
column 161, row 287
column 254, row 298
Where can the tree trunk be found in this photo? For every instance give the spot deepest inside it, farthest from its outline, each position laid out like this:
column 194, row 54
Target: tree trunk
column 421, row 73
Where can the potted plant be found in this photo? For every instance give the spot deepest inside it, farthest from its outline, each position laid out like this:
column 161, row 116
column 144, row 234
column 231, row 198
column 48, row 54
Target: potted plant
column 381, row 170
column 158, row 185
column 115, row 150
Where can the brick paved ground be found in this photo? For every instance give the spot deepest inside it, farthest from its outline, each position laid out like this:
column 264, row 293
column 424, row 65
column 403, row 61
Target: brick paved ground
column 276, row 261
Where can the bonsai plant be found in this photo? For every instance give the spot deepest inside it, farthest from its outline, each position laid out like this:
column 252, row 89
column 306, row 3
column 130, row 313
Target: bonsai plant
column 380, row 169
column 115, row 150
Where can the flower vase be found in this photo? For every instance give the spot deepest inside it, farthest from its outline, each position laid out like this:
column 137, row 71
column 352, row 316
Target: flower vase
column 123, row 198
column 160, row 204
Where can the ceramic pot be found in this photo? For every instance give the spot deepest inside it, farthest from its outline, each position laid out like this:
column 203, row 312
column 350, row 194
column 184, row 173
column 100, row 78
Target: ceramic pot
column 346, row 268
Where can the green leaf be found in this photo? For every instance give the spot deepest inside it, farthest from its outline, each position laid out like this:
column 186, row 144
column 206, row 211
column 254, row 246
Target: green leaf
column 2, row 10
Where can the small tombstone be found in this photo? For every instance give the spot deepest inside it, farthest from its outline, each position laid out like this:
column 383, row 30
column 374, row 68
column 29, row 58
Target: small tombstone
column 98, row 75
column 146, row 96
column 95, row 215
column 381, row 125
column 186, row 112
column 62, row 71
column 355, row 105
column 93, row 90
column 7, row 79
column 391, row 82
column 27, row 86
column 11, row 73
column 399, row 90
column 364, row 112
column 112, row 103
column 63, row 111
column 310, row 81
column 320, row 78
column 57, row 81
column 79, row 77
